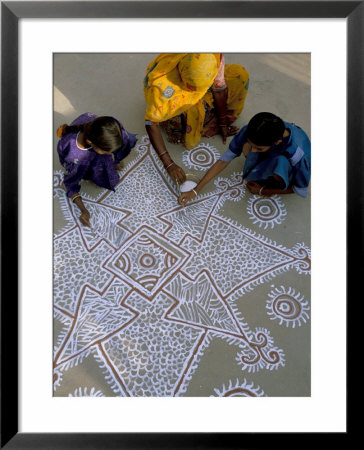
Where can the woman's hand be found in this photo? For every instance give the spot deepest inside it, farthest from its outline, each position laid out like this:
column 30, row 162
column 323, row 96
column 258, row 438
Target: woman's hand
column 60, row 130
column 176, row 173
column 185, row 197
column 85, row 218
column 226, row 131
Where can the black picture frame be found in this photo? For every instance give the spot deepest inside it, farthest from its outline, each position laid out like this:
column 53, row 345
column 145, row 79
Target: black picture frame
column 11, row 12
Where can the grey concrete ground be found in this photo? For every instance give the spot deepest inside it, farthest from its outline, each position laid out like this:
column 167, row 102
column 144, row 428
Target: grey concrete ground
column 230, row 313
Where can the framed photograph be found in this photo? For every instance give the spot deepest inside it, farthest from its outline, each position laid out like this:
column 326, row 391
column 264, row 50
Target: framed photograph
column 44, row 57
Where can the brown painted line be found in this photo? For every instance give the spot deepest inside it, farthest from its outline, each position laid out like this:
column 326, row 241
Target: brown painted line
column 164, row 239
column 66, row 232
column 190, row 278
column 137, row 163
column 279, row 250
column 206, row 225
column 224, row 299
column 110, row 335
column 256, row 277
column 111, row 365
column 70, row 331
column 63, row 311
column 130, row 283
column 99, row 341
column 225, row 296
column 217, row 290
column 207, row 328
column 234, row 318
column 139, row 291
column 122, row 303
column 77, row 227
column 180, row 208
column 98, row 243
column 77, row 311
column 92, row 289
column 109, row 192
column 132, row 319
column 57, row 364
column 114, row 208
column 200, row 342
column 256, row 347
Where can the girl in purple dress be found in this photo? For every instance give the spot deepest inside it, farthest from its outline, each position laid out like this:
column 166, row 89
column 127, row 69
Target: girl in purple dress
column 91, row 148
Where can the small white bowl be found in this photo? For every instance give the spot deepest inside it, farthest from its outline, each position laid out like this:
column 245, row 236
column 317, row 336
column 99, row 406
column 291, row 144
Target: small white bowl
column 190, row 183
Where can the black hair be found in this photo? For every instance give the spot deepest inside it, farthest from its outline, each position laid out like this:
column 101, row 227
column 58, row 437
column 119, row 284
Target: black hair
column 104, row 132
column 265, row 129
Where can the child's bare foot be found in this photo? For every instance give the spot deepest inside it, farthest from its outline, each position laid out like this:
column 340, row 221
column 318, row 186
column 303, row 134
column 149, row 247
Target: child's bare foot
column 120, row 165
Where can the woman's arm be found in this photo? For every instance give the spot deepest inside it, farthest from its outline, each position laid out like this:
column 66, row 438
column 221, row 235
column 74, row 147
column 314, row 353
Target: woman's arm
column 214, row 170
column 220, row 99
column 156, row 139
column 85, row 215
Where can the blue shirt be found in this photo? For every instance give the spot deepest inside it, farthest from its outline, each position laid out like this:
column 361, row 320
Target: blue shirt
column 291, row 159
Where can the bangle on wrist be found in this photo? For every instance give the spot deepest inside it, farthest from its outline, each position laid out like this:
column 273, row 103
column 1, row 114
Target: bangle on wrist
column 75, row 197
column 169, row 165
column 195, row 192
column 160, row 154
column 261, row 190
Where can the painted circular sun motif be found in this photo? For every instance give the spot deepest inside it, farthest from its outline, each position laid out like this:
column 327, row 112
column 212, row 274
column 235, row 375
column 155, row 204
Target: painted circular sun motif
column 239, row 390
column 147, row 260
column 201, row 157
column 287, row 306
column 266, row 211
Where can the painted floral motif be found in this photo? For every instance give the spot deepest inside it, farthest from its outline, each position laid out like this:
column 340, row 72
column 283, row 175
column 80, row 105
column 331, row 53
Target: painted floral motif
column 288, row 307
column 201, row 157
column 143, row 294
column 266, row 211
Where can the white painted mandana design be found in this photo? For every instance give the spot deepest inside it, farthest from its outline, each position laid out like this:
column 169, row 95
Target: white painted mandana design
column 200, row 158
column 266, row 212
column 146, row 290
column 288, row 307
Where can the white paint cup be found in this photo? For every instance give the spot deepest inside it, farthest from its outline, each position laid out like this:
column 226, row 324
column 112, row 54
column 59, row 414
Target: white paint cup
column 190, row 183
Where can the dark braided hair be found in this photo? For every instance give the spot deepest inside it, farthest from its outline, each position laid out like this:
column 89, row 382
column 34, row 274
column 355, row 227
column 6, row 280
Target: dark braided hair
column 104, row 132
column 265, row 129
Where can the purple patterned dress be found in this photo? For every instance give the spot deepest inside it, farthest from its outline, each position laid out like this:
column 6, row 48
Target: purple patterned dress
column 85, row 163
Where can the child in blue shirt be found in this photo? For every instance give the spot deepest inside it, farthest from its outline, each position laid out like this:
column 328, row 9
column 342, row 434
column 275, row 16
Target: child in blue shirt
column 278, row 158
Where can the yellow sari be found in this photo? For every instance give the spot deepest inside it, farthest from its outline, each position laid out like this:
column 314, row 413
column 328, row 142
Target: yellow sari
column 177, row 83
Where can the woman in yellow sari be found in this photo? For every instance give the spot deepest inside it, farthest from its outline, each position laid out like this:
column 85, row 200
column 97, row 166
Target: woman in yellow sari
column 191, row 95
